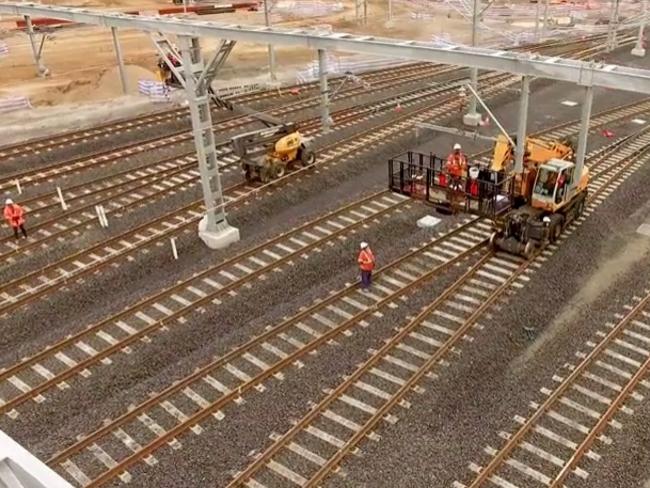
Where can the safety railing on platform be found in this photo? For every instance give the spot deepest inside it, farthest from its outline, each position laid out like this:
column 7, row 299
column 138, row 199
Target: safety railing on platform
column 478, row 190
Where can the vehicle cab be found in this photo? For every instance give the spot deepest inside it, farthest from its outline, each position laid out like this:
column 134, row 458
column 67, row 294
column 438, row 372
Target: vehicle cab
column 553, row 183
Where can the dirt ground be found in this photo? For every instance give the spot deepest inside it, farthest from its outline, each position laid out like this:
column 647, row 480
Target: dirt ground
column 84, row 74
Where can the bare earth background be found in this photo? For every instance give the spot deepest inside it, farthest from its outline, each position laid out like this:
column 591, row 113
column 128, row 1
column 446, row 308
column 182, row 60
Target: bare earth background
column 84, row 86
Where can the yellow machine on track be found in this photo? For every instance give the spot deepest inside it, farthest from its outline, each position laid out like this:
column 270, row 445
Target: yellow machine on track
column 529, row 209
column 267, row 154
column 546, row 196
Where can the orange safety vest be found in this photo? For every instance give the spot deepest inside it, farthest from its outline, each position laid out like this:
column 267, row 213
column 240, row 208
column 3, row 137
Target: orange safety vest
column 14, row 215
column 456, row 164
column 366, row 260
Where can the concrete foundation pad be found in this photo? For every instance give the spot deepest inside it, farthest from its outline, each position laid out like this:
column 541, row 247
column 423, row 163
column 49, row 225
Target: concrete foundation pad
column 428, row 221
column 225, row 234
column 472, row 119
column 638, row 51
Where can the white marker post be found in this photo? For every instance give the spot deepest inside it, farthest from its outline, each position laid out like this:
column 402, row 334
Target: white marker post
column 101, row 209
column 18, row 187
column 64, row 206
column 174, row 250
column 101, row 216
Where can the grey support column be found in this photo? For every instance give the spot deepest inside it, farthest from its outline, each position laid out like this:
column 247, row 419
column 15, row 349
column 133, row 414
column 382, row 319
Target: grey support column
column 213, row 228
column 638, row 49
column 613, row 26
column 37, row 51
column 522, row 125
column 267, row 22
column 545, row 23
column 584, row 131
column 326, row 121
column 472, row 117
column 120, row 60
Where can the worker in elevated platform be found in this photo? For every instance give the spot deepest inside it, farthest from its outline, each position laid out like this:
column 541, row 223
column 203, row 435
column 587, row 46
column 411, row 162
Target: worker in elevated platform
column 456, row 166
column 366, row 262
column 15, row 217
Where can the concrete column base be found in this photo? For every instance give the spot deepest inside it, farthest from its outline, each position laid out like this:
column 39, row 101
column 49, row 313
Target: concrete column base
column 638, row 51
column 472, row 119
column 224, row 235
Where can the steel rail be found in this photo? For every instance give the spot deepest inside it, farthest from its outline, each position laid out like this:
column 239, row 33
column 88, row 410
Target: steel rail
column 403, row 391
column 113, row 155
column 316, row 410
column 117, row 346
column 391, row 127
column 314, row 413
column 599, row 118
column 60, row 458
column 173, row 137
column 498, row 460
column 290, row 359
column 436, row 92
column 71, row 137
column 157, row 238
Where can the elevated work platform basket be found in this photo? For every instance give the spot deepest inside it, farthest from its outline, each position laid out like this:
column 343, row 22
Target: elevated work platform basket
column 424, row 177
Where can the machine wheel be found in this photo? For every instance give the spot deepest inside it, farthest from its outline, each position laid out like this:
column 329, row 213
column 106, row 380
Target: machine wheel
column 307, row 158
column 278, row 171
column 493, row 241
column 248, row 174
column 580, row 207
column 529, row 250
column 555, row 228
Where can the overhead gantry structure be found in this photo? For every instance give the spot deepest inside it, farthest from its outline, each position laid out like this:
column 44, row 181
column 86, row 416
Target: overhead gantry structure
column 214, row 229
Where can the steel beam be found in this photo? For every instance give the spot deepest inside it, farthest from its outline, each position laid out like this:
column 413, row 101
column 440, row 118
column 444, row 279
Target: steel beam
column 120, row 60
column 520, row 148
column 37, row 52
column 213, row 228
column 326, row 121
column 584, row 132
column 475, row 136
column 523, row 64
column 545, row 23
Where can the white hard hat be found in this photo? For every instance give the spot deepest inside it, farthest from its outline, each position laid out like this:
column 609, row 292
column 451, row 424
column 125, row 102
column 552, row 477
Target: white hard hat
column 363, row 245
column 456, row 146
column 9, row 201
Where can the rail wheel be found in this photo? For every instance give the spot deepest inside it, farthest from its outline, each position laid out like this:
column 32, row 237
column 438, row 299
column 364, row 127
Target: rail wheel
column 279, row 170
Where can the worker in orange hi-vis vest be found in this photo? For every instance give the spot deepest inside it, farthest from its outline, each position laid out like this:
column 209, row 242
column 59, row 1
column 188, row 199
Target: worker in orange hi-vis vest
column 366, row 262
column 15, row 217
column 456, row 166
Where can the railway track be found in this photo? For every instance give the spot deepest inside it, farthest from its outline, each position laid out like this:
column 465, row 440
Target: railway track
column 56, row 228
column 111, row 129
column 72, row 138
column 64, row 169
column 317, row 443
column 220, row 383
column 40, row 283
column 75, row 353
column 588, row 399
column 87, row 461
column 135, row 187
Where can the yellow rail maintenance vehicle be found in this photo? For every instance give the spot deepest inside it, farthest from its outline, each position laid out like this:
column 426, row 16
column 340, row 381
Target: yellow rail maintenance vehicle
column 529, row 210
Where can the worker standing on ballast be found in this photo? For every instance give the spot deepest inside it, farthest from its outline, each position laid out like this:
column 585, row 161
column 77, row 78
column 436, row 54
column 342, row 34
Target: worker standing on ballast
column 15, row 217
column 366, row 262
